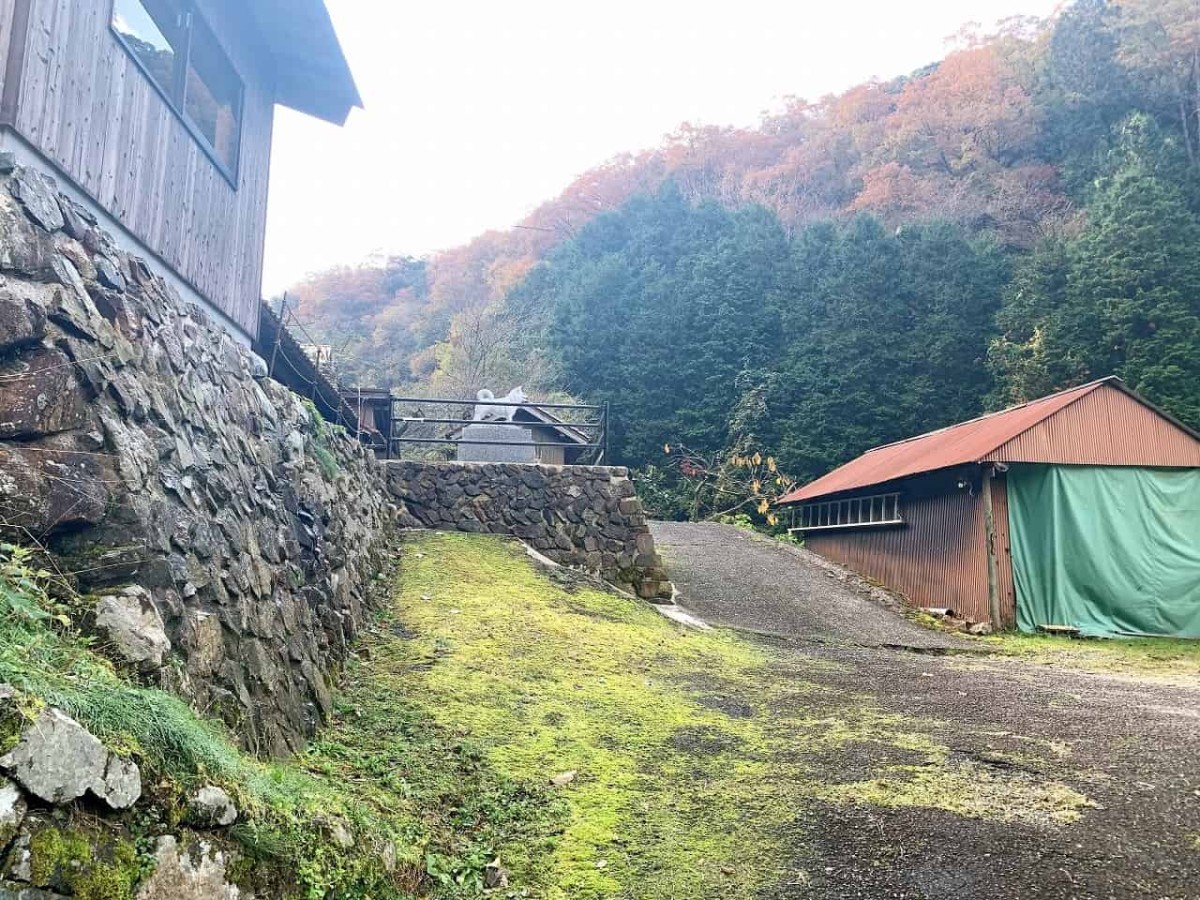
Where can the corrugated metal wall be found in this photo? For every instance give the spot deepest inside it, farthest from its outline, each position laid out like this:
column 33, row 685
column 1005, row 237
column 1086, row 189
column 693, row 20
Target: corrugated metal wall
column 938, row 557
column 1106, row 427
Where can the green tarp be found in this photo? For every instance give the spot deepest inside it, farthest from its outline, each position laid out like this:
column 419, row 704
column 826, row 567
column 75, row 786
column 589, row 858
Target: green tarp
column 1108, row 549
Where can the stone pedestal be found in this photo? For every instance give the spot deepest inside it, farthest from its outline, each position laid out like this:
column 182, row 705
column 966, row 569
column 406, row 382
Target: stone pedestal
column 473, row 446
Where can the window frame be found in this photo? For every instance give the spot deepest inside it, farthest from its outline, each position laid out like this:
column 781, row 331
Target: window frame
column 178, row 106
column 848, row 513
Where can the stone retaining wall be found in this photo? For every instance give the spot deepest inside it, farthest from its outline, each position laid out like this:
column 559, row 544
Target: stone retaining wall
column 225, row 535
column 586, row 517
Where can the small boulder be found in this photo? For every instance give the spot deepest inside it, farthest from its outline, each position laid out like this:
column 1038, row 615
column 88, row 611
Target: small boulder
column 563, row 779
column 40, row 394
column 980, row 628
column 495, row 875
column 50, row 486
column 73, row 307
column 193, row 873
column 131, row 622
column 24, row 247
column 58, row 761
column 22, row 320
column 211, row 807
column 12, row 810
column 108, row 274
column 341, row 835
column 121, row 785
column 294, row 445
column 18, row 866
column 258, row 367
column 388, row 857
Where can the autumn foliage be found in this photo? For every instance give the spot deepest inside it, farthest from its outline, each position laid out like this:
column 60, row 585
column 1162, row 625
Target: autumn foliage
column 1017, row 217
column 954, row 142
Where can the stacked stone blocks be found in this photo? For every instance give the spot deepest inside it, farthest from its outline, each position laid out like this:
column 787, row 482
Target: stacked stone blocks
column 585, row 517
column 172, row 481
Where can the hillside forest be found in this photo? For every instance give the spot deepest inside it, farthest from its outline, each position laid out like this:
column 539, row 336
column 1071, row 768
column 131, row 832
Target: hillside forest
column 1020, row 217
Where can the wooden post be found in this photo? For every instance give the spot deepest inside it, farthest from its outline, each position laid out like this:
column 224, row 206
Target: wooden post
column 993, row 567
column 278, row 335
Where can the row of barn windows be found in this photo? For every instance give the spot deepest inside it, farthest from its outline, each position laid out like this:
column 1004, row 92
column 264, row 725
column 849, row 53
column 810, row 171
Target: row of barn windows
column 879, row 509
column 178, row 51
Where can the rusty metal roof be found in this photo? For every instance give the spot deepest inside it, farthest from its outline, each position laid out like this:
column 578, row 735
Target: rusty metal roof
column 967, row 442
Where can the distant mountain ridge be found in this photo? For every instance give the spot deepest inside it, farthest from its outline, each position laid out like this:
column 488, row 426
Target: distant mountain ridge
column 1059, row 158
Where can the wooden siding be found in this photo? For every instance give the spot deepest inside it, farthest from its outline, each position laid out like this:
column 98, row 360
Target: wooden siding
column 549, row 456
column 1106, row 427
column 937, row 559
column 94, row 114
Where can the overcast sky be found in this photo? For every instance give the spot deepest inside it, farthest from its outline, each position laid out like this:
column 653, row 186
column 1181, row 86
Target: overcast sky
column 475, row 112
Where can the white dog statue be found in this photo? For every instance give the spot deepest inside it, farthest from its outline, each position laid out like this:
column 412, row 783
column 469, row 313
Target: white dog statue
column 498, row 413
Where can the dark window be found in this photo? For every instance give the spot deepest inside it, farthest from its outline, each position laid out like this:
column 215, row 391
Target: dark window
column 180, row 54
column 214, row 94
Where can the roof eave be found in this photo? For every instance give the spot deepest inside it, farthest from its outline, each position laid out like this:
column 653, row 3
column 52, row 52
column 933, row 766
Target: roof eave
column 874, row 485
column 312, row 75
column 800, row 495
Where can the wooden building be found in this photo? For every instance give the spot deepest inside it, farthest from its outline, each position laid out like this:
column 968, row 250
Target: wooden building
column 289, row 363
column 559, row 443
column 373, row 408
column 962, row 518
column 157, row 116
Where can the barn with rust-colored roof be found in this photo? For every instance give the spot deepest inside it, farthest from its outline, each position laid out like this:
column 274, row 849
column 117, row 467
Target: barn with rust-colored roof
column 1078, row 510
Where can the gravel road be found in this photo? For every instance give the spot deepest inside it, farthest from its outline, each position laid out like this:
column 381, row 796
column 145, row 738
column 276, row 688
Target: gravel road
column 729, row 576
column 1130, row 744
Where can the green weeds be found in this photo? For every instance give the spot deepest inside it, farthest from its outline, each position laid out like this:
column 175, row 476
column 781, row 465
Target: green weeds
column 1159, row 657
column 385, row 804
column 693, row 753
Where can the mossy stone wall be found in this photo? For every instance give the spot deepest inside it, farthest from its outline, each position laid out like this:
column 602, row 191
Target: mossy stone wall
column 141, row 444
column 585, row 517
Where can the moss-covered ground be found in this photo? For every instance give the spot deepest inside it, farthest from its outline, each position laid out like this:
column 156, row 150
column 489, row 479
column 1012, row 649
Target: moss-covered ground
column 495, row 715
column 693, row 753
column 421, row 807
column 1158, row 657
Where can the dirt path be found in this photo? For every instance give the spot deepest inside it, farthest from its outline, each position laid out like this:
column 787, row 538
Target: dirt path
column 898, row 821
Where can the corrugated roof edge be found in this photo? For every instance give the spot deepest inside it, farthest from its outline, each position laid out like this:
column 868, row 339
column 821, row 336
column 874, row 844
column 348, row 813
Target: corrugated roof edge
column 813, row 489
column 1126, row 389
column 1082, row 389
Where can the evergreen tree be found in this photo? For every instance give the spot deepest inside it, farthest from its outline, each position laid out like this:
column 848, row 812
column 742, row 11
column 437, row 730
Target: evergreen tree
column 1122, row 297
column 659, row 307
column 886, row 336
column 1085, row 90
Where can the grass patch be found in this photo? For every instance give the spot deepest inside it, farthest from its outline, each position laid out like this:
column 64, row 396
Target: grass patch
column 694, row 753
column 321, row 446
column 548, row 682
column 424, row 810
column 966, row 792
column 1170, row 657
